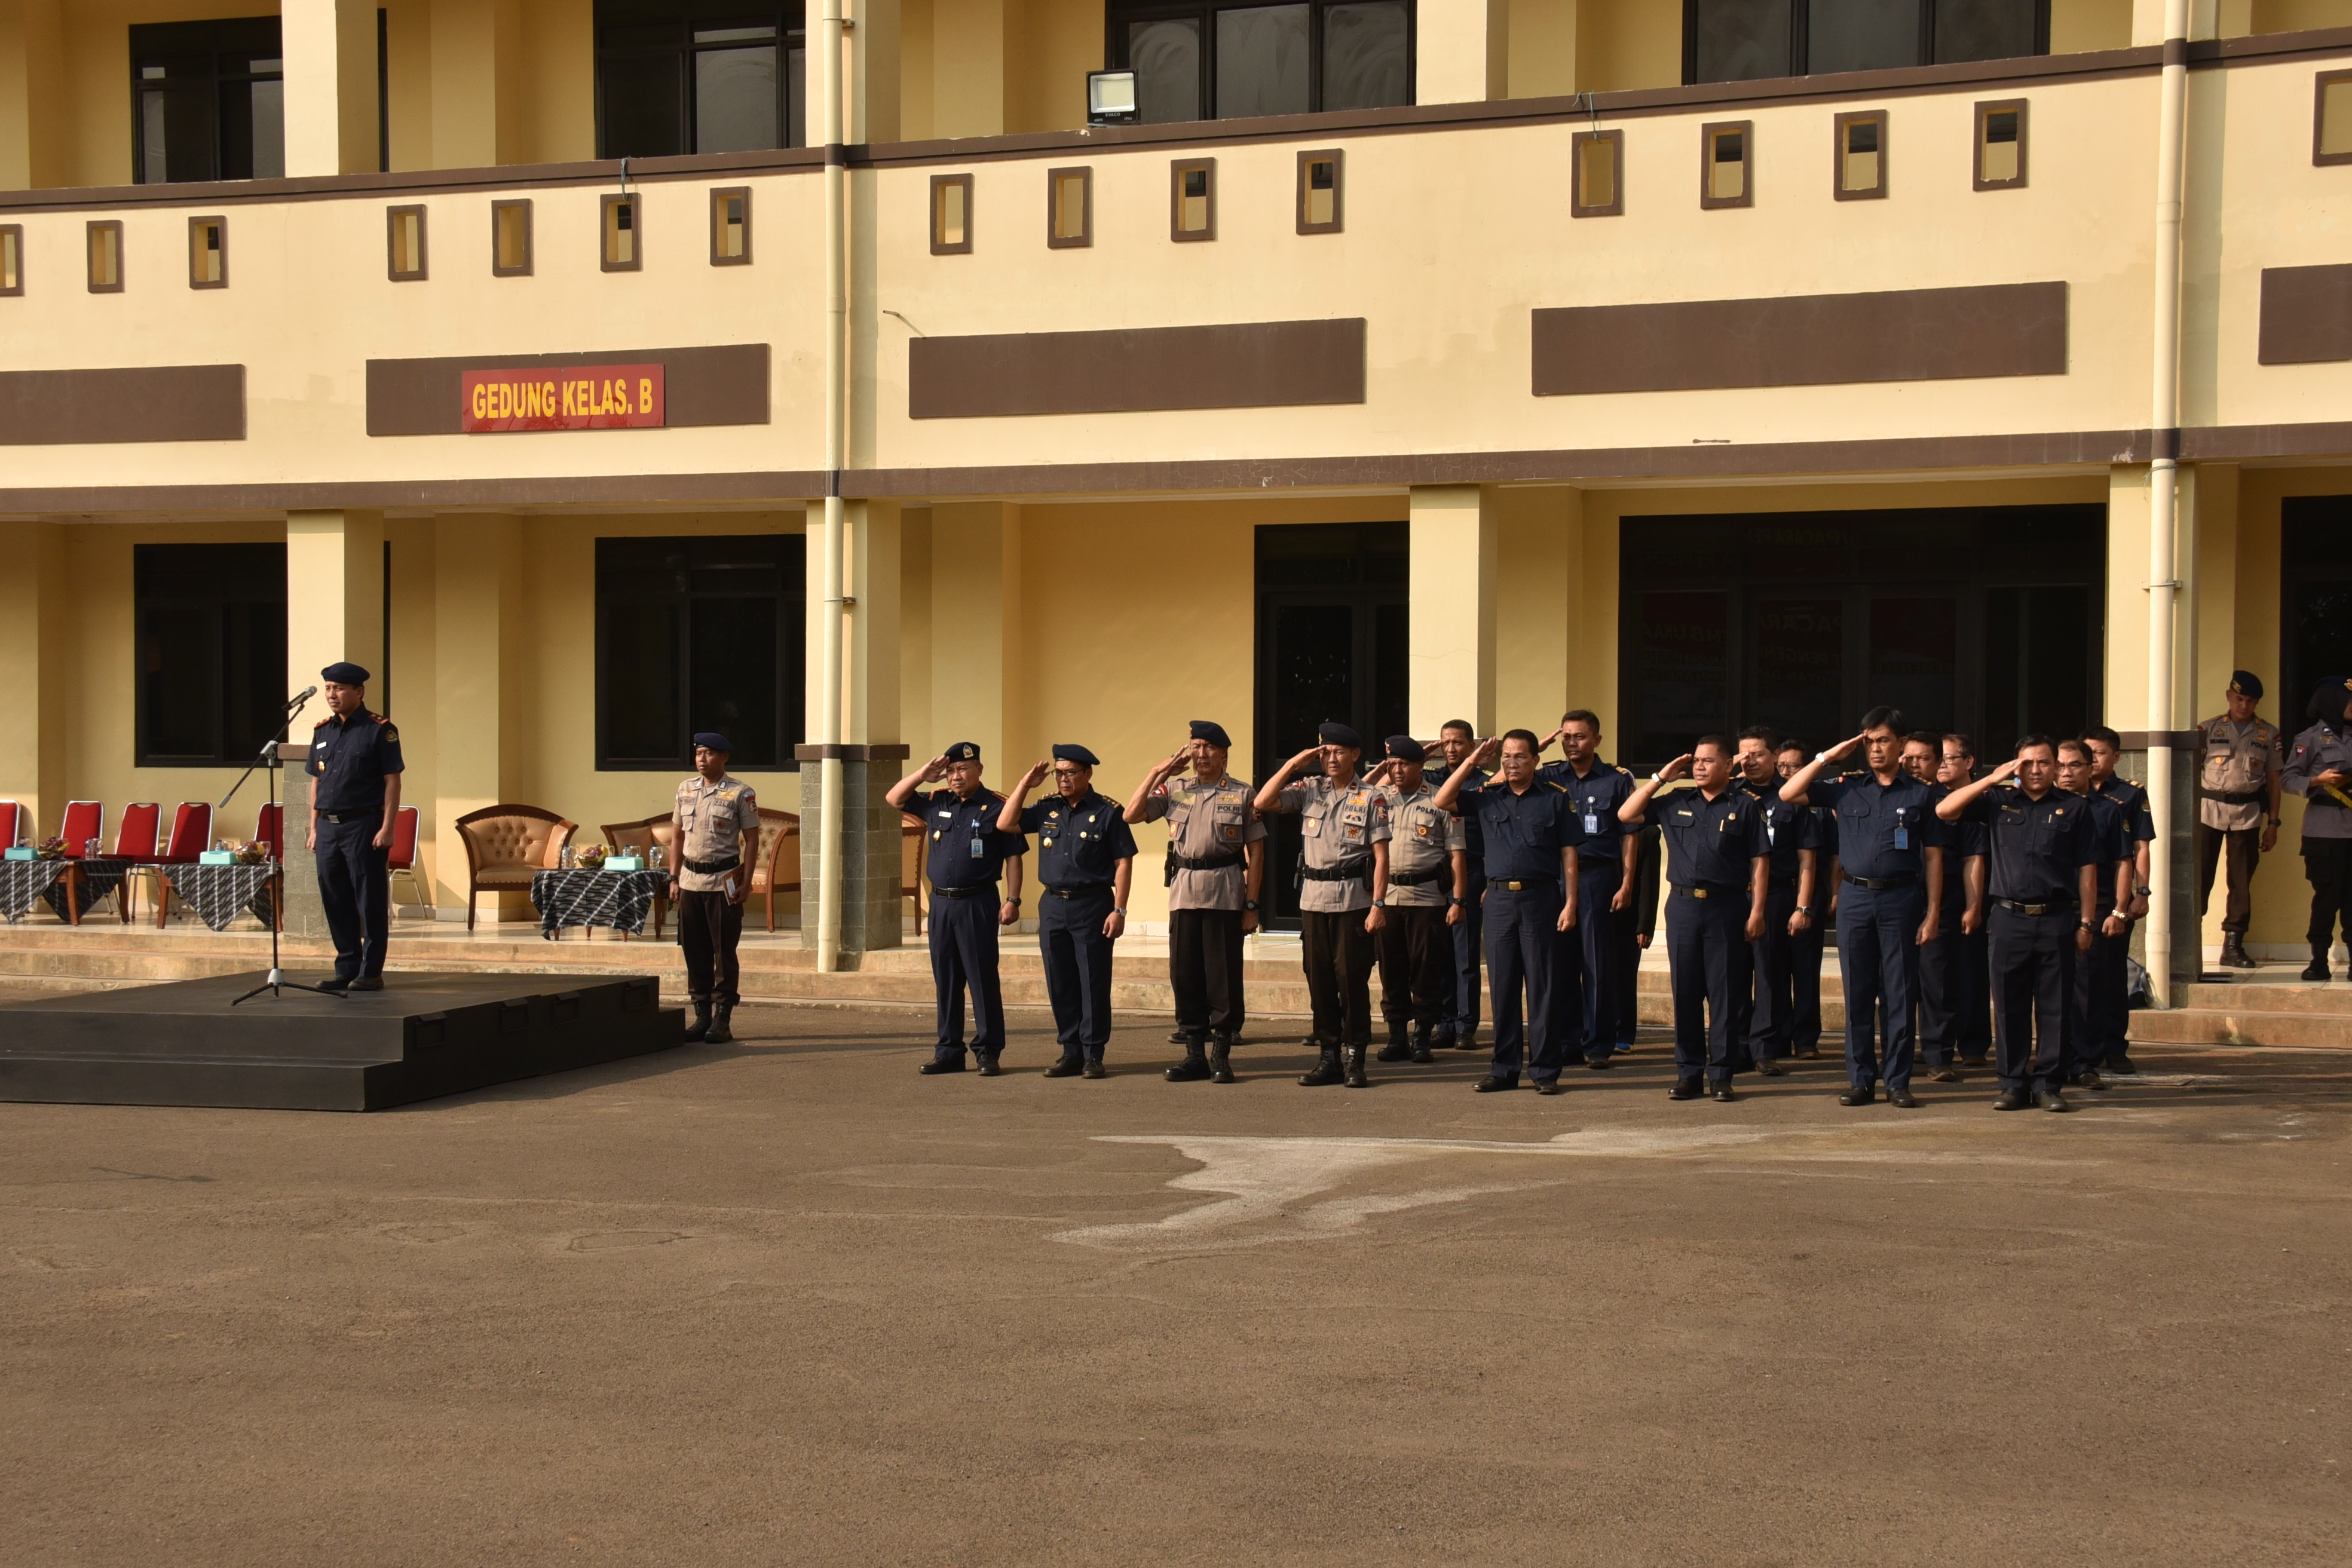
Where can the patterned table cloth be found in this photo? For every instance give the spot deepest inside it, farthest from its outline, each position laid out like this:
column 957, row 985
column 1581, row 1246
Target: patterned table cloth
column 581, row 898
column 218, row 892
column 22, row 881
column 99, row 878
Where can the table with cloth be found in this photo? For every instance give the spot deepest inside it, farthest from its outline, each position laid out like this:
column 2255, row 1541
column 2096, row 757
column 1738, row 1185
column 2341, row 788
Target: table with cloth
column 218, row 893
column 584, row 897
column 69, row 887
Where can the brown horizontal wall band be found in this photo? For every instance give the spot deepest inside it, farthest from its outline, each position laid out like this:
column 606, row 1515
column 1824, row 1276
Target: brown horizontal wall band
column 722, row 384
column 150, row 402
column 2253, row 442
column 1242, row 365
column 787, row 487
column 2176, row 740
column 2306, row 315
column 875, row 753
column 1812, row 339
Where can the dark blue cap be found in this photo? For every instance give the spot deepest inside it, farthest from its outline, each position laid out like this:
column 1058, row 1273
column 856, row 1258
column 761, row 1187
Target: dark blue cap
column 2247, row 681
column 1078, row 755
column 1209, row 730
column 964, row 751
column 1405, row 749
column 344, row 673
column 711, row 740
column 1337, row 735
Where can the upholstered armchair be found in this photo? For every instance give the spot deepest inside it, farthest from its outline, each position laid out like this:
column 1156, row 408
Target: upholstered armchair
column 778, row 867
column 505, row 844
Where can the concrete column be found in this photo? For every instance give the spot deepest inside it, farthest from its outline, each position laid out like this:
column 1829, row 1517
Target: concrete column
column 478, row 613
column 1462, row 50
column 976, row 629
column 1539, row 576
column 968, row 58
column 330, row 109
column 36, row 620
column 2134, row 710
column 32, row 71
column 1542, row 47
column 1450, row 664
column 334, row 610
column 478, row 102
column 2210, row 615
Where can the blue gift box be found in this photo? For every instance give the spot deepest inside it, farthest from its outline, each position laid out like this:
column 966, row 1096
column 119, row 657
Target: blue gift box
column 624, row 862
column 217, row 858
column 23, row 855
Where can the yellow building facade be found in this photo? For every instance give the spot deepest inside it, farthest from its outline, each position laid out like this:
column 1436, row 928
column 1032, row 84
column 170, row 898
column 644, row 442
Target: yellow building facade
column 1568, row 372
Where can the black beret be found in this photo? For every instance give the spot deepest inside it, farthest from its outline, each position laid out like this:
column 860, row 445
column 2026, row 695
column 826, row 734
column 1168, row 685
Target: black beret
column 2327, row 699
column 711, row 740
column 2247, row 681
column 1405, row 749
column 344, row 673
column 1078, row 755
column 1209, row 730
column 1337, row 735
column 964, row 751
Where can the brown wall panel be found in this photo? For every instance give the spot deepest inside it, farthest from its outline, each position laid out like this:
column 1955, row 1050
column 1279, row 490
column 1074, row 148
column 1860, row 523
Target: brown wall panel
column 723, row 385
column 1813, row 339
column 148, row 403
column 1245, row 364
column 2306, row 315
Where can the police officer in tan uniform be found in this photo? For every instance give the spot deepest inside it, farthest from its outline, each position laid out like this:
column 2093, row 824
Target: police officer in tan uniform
column 2237, row 806
column 714, row 843
column 1344, row 872
column 1427, row 856
column 1216, row 860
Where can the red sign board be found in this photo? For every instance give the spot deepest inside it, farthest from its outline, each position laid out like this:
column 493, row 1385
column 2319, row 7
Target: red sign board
column 577, row 398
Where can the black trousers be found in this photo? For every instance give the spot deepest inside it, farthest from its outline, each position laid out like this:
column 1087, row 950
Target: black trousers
column 1772, row 1024
column 2033, row 970
column 355, row 885
column 1463, row 1015
column 964, row 957
column 1879, row 961
column 708, row 927
column 1205, row 969
column 1976, row 1024
column 2244, row 848
column 1948, row 994
column 1416, row 956
column 1336, row 952
column 1523, row 947
column 1629, row 976
column 1591, row 952
column 2097, row 1013
column 2328, row 862
column 1713, row 969
column 1078, row 969
column 1806, row 951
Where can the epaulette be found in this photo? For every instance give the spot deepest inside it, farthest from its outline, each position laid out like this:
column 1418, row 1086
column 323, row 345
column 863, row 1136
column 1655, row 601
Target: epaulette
column 1563, row 789
column 1626, row 771
column 2135, row 783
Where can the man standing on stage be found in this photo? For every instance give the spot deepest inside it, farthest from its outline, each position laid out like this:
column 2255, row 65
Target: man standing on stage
column 714, row 837
column 1605, row 866
column 1086, row 862
column 1788, row 905
column 1427, row 870
column 1344, row 885
column 967, row 852
column 355, row 767
column 2238, row 791
column 1216, row 862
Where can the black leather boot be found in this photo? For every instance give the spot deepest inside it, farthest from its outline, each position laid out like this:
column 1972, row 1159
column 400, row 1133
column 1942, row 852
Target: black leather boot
column 719, row 1033
column 701, row 1025
column 2233, row 951
column 1327, row 1071
column 1421, row 1043
column 1397, row 1048
column 1221, row 1058
column 2317, row 968
column 1355, row 1059
column 1195, row 1065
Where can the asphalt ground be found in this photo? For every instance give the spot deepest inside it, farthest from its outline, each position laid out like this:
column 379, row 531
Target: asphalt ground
column 785, row 1301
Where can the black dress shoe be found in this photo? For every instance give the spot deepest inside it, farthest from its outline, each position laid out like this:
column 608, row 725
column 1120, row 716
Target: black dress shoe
column 1066, row 1068
column 2050, row 1099
column 1945, row 1075
column 988, row 1067
column 936, row 1066
column 2012, row 1100
column 1465, row 1039
column 1441, row 1036
column 1494, row 1083
column 2122, row 1066
column 1904, row 1098
column 1810, row 1053
column 1192, row 1069
column 1179, row 1037
column 1096, row 1069
column 1398, row 1050
column 335, row 983
column 1722, row 1091
column 1686, row 1089
column 368, row 983
column 2090, row 1078
column 1326, row 1071
column 1863, row 1094
column 1972, row 1062
column 1550, row 1086
column 1768, row 1067
column 1599, row 1064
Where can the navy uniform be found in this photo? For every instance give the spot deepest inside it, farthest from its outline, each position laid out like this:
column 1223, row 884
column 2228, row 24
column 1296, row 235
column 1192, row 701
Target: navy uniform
column 1788, row 832
column 2111, row 999
column 1524, row 835
column 1079, row 845
column 1807, row 948
column 709, row 823
column 1338, row 823
column 1947, row 974
column 1414, row 946
column 1885, row 831
column 1712, row 847
column 349, row 761
column 1460, row 1027
column 2038, row 848
column 2086, row 1042
column 967, row 855
column 1210, row 829
column 1636, row 933
column 1594, row 794
column 2326, row 819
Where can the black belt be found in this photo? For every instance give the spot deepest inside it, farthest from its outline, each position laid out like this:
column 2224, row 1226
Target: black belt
column 2235, row 798
column 340, row 817
column 988, row 888
column 1881, row 884
column 1351, row 871
column 2054, row 907
column 1078, row 889
column 1415, row 878
column 1176, row 863
column 1706, row 890
column 711, row 867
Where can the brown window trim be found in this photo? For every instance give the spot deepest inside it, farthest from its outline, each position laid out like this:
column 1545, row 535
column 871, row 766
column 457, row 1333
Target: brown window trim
column 1837, row 156
column 194, row 226
column 931, row 216
column 530, row 240
column 1976, row 144
column 637, row 203
column 16, row 231
column 392, row 216
column 2319, row 117
column 1707, row 201
column 1337, row 158
column 1176, row 173
column 1577, row 206
column 1086, row 235
column 122, row 260
column 719, row 195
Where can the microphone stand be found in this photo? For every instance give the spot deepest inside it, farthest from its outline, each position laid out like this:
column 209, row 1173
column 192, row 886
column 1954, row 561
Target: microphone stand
column 269, row 762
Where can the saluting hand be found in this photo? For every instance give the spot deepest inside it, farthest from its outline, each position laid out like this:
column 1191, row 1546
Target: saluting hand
column 1313, row 753
column 936, row 769
column 1846, row 748
column 1035, row 776
column 1675, row 769
column 1488, row 750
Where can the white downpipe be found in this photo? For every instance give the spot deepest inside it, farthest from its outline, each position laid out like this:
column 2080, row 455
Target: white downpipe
column 829, row 660
column 2163, row 484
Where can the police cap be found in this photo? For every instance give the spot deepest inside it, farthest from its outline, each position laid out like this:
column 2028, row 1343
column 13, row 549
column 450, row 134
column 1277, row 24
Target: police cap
column 2248, row 683
column 1405, row 749
column 964, row 751
column 1078, row 755
column 712, row 741
column 1336, row 734
column 1209, row 730
column 344, row 673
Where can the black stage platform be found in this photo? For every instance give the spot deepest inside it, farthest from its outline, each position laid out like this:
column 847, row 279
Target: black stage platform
column 422, row 1036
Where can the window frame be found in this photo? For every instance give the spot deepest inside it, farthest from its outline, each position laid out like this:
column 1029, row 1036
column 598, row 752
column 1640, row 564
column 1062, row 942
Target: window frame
column 1707, row 132
column 1119, row 13
column 792, row 127
column 1177, row 232
column 147, row 41
column 229, row 751
column 606, row 205
column 1082, row 240
column 1337, row 158
column 1984, row 109
column 91, row 231
column 197, row 227
column 1838, row 189
column 1577, row 206
column 718, row 196
column 1800, row 40
column 2320, row 84
column 935, row 218
column 392, row 216
column 529, row 239
column 14, row 231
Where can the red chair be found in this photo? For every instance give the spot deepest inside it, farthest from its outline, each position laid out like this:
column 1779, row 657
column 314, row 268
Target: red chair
column 85, row 820
column 192, row 835
column 16, row 825
column 268, row 827
column 135, row 841
column 403, row 851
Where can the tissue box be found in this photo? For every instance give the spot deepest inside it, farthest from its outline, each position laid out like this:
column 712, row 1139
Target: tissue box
column 624, row 862
column 217, row 858
column 23, row 855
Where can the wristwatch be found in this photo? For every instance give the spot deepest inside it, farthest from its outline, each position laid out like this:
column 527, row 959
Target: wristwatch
column 2085, row 925
column 1455, row 901
column 1380, row 903
column 1249, row 903
column 1120, row 914
column 2278, row 822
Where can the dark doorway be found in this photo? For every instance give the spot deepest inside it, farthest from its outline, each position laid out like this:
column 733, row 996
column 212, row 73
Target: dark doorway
column 1988, row 620
column 2316, row 601
column 1332, row 645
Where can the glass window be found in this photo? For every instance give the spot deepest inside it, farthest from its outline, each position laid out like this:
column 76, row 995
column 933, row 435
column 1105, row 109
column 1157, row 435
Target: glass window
column 1367, row 56
column 1225, row 59
column 1736, row 40
column 1165, row 57
column 210, row 100
column 697, row 75
column 698, row 632
column 735, row 90
column 1262, row 61
column 211, row 650
column 1988, row 31
column 1748, row 40
column 1861, row 34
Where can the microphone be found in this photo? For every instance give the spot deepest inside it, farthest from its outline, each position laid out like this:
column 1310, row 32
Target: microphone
column 305, row 695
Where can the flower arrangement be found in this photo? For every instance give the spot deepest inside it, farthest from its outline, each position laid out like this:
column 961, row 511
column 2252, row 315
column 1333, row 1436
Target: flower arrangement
column 50, row 849
column 591, row 857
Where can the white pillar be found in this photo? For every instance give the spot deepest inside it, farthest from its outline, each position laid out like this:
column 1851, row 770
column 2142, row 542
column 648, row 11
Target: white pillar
column 1461, row 50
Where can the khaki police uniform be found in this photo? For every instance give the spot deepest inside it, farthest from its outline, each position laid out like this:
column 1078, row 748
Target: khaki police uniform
column 1339, row 824
column 708, row 823
column 1210, row 829
column 1414, row 948
column 2234, row 792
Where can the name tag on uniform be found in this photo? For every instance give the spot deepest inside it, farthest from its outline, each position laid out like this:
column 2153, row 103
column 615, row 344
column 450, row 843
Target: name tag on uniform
column 1591, row 824
column 978, row 847
column 1903, row 839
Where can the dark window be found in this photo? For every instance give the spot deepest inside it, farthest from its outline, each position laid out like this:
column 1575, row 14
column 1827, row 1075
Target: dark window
column 1749, row 40
column 212, row 651
column 208, row 101
column 699, row 634
column 2315, row 607
column 1222, row 59
column 1987, row 620
column 697, row 75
